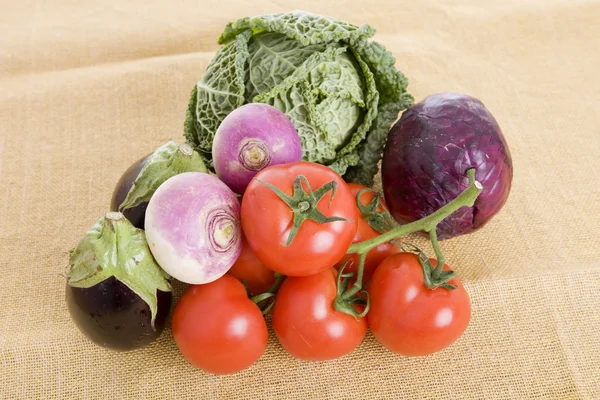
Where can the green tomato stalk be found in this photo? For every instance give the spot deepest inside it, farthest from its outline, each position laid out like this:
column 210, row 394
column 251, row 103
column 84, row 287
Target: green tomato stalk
column 269, row 294
column 434, row 277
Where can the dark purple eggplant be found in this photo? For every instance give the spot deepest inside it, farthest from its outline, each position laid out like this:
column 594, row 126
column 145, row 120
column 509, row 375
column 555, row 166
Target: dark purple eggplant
column 427, row 154
column 136, row 215
column 112, row 315
column 116, row 293
column 137, row 185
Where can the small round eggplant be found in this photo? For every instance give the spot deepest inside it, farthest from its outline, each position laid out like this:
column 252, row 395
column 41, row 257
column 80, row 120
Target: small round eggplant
column 112, row 315
column 116, row 293
column 140, row 181
column 136, row 215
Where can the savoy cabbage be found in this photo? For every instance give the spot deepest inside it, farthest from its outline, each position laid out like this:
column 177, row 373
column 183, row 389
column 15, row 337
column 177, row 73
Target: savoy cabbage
column 341, row 91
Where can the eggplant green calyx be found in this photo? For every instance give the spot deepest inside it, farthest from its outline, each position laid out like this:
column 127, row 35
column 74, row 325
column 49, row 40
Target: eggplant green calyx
column 114, row 247
column 349, row 305
column 304, row 203
column 433, row 276
column 168, row 160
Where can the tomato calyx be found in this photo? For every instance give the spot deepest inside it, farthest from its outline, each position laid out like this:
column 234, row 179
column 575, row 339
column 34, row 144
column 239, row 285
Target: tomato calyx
column 376, row 215
column 303, row 203
column 380, row 221
column 269, row 294
column 348, row 305
column 434, row 276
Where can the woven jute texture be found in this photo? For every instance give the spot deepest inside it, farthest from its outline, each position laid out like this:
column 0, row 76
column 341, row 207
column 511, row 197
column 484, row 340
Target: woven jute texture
column 87, row 88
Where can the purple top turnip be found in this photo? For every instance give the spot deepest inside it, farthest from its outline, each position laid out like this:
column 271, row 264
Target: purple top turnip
column 251, row 138
column 193, row 227
column 426, row 157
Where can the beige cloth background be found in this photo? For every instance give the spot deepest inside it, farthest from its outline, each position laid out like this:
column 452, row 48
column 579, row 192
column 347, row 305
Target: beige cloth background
column 86, row 88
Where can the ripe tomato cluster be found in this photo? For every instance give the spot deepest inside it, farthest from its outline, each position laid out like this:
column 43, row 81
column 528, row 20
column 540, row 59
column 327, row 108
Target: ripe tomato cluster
column 299, row 221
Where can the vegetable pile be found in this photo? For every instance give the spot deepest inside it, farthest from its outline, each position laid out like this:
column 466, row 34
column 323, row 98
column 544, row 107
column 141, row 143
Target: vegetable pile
column 268, row 207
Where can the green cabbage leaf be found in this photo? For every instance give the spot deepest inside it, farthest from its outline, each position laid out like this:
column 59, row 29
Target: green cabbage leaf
column 341, row 91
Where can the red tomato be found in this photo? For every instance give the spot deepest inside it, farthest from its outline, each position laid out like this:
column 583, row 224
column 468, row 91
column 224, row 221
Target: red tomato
column 307, row 325
column 217, row 328
column 256, row 276
column 406, row 316
column 267, row 220
column 363, row 233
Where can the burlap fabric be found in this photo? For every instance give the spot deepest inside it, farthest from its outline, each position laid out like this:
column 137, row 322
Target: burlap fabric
column 86, row 88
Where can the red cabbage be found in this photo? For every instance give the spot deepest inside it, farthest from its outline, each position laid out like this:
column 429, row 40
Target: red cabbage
column 428, row 152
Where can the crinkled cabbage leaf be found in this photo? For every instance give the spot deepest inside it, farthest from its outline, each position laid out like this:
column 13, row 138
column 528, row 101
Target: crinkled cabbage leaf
column 341, row 91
